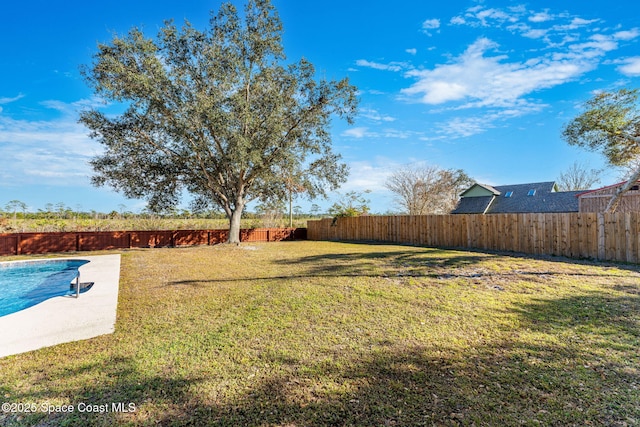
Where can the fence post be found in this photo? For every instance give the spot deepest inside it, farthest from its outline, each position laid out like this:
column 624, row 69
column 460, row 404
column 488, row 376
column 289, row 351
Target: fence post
column 601, row 237
column 629, row 257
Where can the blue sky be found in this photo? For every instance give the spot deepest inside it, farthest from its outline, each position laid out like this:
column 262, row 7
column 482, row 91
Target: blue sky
column 484, row 86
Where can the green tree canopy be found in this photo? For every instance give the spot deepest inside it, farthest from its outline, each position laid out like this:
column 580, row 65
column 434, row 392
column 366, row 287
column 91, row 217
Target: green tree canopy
column 351, row 204
column 610, row 124
column 216, row 113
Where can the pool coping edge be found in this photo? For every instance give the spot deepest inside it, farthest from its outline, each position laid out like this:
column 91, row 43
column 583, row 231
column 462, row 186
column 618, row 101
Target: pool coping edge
column 66, row 318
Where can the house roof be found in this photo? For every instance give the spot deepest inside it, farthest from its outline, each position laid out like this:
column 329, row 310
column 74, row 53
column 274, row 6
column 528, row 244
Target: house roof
column 471, row 205
column 538, row 197
column 484, row 190
column 582, row 193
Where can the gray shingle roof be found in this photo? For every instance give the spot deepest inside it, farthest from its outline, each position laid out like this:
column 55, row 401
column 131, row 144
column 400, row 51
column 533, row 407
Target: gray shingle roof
column 545, row 200
column 471, row 205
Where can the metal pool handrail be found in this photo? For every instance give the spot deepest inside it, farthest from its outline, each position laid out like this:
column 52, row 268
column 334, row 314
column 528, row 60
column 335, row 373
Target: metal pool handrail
column 78, row 284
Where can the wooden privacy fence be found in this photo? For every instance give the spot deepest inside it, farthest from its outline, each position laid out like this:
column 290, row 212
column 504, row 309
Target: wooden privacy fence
column 612, row 237
column 39, row 243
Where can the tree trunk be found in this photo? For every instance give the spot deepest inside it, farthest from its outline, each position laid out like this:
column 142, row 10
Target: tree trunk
column 290, row 209
column 613, row 203
column 234, row 225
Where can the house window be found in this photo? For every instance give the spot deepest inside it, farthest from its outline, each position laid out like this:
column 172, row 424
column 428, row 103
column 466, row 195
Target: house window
column 635, row 188
column 531, row 193
column 508, row 194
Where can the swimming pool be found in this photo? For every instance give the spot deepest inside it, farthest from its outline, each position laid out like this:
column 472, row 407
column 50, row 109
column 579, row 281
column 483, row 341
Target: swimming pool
column 24, row 284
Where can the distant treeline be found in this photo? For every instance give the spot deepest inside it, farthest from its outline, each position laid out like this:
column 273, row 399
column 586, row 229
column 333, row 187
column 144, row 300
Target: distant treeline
column 16, row 218
column 18, row 210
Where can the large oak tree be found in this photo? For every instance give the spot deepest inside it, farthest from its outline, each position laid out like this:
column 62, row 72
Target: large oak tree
column 610, row 124
column 216, row 113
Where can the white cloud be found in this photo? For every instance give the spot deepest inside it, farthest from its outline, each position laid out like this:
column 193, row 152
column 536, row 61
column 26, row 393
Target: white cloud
column 357, row 132
column 580, row 22
column 398, row 134
column 627, row 35
column 559, row 48
column 466, row 126
column 541, row 17
column 494, row 14
column 381, row 134
column 519, row 9
column 393, row 66
column 630, row 67
column 488, row 80
column 478, row 16
column 364, row 175
column 534, row 33
column 483, row 76
column 575, row 24
column 71, row 109
column 6, row 100
column 56, row 150
column 461, row 127
column 431, row 24
column 596, row 47
column 519, row 20
column 411, row 51
column 374, row 115
column 438, row 91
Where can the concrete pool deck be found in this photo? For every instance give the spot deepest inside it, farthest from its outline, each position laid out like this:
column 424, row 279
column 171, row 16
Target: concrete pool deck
column 66, row 318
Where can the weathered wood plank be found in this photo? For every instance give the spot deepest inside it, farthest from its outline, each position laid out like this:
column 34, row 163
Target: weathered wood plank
column 613, row 237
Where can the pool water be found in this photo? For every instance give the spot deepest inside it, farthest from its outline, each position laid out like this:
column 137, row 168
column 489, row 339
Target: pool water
column 24, row 284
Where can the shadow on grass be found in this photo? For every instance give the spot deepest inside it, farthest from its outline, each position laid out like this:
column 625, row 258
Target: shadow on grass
column 554, row 259
column 589, row 380
column 613, row 319
column 116, row 400
column 416, row 262
column 592, row 380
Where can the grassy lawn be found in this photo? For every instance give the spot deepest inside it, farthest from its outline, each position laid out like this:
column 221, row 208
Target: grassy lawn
column 319, row 333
